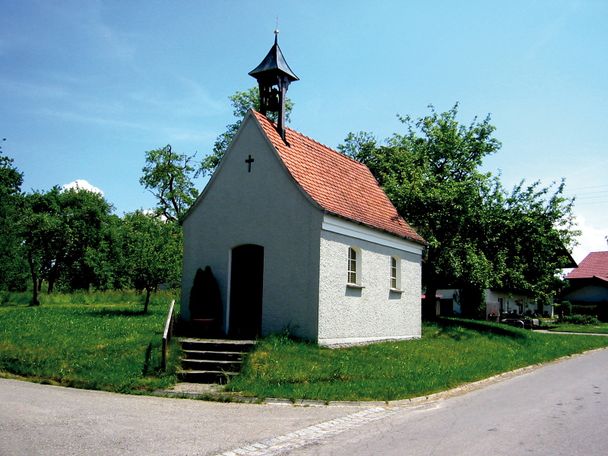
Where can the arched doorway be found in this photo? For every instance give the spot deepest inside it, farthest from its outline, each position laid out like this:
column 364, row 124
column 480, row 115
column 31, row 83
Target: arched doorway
column 246, row 291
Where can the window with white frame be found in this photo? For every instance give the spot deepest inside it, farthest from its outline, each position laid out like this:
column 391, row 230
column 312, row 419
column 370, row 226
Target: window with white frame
column 395, row 277
column 354, row 266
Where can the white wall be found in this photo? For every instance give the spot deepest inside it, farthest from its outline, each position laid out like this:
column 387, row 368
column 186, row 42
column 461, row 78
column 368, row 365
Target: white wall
column 510, row 302
column 372, row 313
column 263, row 207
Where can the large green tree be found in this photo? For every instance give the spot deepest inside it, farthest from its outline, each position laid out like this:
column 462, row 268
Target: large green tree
column 58, row 228
column 13, row 273
column 475, row 229
column 528, row 232
column 107, row 259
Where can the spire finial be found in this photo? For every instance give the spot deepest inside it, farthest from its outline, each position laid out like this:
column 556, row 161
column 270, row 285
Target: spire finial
column 276, row 31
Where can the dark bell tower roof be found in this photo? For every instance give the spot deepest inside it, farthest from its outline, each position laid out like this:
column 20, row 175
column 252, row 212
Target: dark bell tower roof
column 274, row 62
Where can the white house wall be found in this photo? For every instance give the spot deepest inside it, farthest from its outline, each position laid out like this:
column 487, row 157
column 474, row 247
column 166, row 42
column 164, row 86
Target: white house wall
column 510, row 301
column 262, row 207
column 349, row 315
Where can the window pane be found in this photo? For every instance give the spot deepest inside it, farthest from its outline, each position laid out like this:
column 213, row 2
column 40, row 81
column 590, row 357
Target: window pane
column 394, row 273
column 352, row 265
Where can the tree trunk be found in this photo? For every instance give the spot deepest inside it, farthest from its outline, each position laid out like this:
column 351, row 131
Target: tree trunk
column 148, row 291
column 53, row 274
column 34, row 301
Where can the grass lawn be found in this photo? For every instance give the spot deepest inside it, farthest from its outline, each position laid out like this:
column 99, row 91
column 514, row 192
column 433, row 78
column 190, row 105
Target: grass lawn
column 602, row 328
column 97, row 341
column 449, row 354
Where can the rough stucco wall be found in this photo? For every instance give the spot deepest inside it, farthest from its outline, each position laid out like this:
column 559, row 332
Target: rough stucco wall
column 266, row 208
column 348, row 315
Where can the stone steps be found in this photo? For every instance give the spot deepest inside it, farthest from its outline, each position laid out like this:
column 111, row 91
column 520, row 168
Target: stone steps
column 212, row 360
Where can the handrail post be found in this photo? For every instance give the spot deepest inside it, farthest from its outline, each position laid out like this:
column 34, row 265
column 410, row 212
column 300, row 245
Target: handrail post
column 167, row 333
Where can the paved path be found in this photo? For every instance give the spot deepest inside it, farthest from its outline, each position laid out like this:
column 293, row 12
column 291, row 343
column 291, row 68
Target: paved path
column 558, row 409
column 545, row 331
column 49, row 420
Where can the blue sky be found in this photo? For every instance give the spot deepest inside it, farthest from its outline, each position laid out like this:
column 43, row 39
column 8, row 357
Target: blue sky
column 88, row 86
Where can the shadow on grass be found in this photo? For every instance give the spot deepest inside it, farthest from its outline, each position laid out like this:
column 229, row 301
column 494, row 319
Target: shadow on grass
column 118, row 313
column 482, row 327
column 147, row 360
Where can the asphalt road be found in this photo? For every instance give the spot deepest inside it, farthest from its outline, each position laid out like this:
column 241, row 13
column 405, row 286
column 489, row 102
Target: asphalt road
column 560, row 409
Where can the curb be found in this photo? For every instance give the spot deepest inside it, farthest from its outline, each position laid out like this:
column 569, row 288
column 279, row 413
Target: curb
column 222, row 396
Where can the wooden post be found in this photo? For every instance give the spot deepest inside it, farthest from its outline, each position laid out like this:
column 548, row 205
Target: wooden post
column 167, row 333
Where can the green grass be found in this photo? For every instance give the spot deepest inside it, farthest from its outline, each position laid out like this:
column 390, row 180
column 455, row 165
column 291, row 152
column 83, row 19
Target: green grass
column 449, row 354
column 602, row 328
column 97, row 340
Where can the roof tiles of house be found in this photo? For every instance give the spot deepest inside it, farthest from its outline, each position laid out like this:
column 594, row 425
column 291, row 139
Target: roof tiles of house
column 594, row 265
column 339, row 185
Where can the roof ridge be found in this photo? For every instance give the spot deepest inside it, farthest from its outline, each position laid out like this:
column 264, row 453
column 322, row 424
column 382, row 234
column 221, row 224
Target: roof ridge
column 340, row 154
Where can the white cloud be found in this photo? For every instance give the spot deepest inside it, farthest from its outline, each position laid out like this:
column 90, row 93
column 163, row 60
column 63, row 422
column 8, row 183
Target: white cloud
column 82, row 184
column 592, row 239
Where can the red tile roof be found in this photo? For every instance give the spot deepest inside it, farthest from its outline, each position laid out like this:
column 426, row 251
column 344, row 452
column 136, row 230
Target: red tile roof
column 339, row 185
column 594, row 265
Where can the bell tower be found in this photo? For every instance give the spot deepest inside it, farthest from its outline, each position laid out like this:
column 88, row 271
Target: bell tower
column 274, row 76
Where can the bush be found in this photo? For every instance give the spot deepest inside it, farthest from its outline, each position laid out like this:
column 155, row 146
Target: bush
column 565, row 308
column 578, row 319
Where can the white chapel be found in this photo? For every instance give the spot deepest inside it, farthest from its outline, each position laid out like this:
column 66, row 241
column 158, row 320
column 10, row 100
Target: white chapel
column 299, row 237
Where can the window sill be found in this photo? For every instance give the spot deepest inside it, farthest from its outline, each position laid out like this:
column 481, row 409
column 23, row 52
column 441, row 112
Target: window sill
column 354, row 285
column 395, row 290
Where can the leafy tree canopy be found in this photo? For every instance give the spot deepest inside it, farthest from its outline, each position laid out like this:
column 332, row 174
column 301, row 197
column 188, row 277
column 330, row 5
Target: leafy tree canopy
column 58, row 228
column 152, row 250
column 169, row 177
column 476, row 230
column 12, row 265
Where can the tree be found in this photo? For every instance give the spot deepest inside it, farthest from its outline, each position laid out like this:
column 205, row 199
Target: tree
column 13, row 272
column 42, row 237
column 58, row 228
column 107, row 259
column 152, row 252
column 169, row 176
column 532, row 228
column 476, row 232
column 83, row 216
column 241, row 102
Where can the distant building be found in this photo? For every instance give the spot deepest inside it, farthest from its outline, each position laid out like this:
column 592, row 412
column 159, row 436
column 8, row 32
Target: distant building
column 497, row 301
column 588, row 283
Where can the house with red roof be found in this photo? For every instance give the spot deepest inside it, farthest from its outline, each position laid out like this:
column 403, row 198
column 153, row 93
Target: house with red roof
column 299, row 237
column 588, row 283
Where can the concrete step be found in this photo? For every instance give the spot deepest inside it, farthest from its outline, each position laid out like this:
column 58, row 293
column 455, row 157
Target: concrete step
column 212, row 360
column 205, row 376
column 211, row 364
column 210, row 354
column 217, row 344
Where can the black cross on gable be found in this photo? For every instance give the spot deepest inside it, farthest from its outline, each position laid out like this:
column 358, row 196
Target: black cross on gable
column 249, row 161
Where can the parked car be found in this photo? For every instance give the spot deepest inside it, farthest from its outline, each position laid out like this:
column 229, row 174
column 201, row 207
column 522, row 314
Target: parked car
column 521, row 322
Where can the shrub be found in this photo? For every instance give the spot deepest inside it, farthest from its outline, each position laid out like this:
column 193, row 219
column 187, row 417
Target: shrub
column 578, row 319
column 566, row 308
